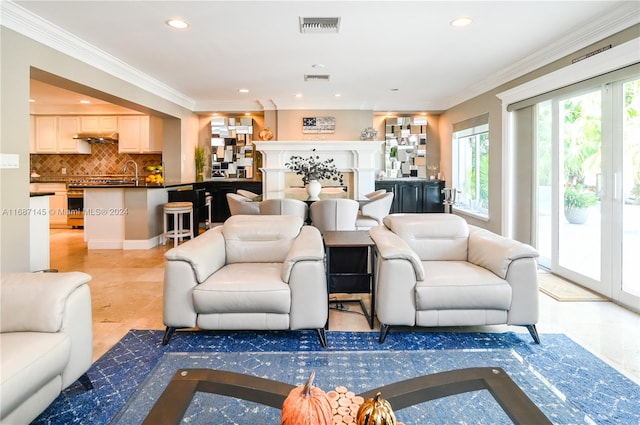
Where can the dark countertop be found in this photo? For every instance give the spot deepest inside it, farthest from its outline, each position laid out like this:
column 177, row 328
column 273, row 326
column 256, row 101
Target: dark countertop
column 402, row 179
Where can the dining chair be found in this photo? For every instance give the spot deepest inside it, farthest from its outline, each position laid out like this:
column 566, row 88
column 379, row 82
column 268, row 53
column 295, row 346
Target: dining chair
column 334, row 214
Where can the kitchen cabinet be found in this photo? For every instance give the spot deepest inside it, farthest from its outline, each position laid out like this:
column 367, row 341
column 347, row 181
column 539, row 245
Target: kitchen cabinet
column 55, row 135
column 414, row 195
column 139, row 134
column 99, row 124
column 219, row 189
column 57, row 202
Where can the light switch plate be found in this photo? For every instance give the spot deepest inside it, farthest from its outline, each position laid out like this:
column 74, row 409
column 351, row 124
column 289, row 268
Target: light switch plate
column 9, row 160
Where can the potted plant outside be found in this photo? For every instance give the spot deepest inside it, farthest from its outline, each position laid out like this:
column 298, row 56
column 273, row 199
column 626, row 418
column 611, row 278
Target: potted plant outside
column 577, row 202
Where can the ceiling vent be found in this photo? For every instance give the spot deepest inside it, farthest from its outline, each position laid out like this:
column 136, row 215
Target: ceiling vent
column 319, row 25
column 316, row 77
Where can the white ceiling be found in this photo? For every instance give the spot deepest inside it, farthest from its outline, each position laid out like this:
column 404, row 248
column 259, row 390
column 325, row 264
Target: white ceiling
column 387, row 56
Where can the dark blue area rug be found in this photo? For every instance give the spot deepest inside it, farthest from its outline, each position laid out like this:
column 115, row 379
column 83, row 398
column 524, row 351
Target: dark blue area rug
column 603, row 394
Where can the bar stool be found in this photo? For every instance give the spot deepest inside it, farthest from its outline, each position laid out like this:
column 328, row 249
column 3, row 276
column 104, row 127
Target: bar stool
column 178, row 211
column 207, row 203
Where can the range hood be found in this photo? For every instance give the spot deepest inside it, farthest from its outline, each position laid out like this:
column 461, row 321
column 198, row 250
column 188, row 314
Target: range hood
column 98, row 138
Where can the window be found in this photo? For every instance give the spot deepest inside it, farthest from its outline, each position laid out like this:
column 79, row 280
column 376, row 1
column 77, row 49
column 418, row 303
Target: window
column 471, row 167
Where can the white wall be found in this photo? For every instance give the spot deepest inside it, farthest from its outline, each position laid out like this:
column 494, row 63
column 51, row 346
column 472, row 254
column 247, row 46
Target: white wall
column 17, row 55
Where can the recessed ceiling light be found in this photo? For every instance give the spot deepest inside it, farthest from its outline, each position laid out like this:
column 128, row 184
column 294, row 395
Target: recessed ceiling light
column 298, row 95
column 32, row 100
column 317, row 65
column 243, row 90
column 337, row 95
column 247, row 114
column 85, row 102
column 462, row 21
column 177, row 23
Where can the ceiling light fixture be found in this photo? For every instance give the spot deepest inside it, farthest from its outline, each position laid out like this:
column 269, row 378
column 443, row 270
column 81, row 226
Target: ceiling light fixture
column 243, row 90
column 32, row 100
column 177, row 23
column 460, row 22
column 85, row 102
column 298, row 95
column 337, row 95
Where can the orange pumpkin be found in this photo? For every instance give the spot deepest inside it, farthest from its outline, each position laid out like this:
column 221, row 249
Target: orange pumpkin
column 375, row 411
column 306, row 405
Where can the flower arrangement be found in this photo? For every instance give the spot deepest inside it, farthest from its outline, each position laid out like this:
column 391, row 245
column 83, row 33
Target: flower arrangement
column 311, row 168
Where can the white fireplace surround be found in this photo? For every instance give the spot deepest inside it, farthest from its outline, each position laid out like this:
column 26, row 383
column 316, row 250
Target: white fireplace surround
column 362, row 158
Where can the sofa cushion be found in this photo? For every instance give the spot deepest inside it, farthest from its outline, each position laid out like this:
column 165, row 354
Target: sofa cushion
column 30, row 360
column 433, row 237
column 451, row 285
column 244, row 288
column 259, row 239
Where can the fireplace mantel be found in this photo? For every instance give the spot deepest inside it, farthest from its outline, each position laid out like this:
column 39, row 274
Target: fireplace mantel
column 362, row 158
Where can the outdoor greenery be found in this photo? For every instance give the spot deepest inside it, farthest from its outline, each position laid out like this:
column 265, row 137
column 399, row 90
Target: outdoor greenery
column 311, row 168
column 578, row 197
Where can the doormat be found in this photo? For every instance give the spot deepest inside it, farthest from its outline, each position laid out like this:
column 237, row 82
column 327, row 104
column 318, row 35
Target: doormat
column 561, row 290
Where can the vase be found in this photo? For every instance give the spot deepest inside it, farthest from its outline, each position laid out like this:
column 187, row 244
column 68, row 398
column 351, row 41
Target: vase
column 313, row 189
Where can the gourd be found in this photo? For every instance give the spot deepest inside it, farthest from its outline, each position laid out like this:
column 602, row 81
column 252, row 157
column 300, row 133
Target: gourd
column 375, row 411
column 306, row 405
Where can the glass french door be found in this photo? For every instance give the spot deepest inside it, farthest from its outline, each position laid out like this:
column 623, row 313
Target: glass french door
column 588, row 188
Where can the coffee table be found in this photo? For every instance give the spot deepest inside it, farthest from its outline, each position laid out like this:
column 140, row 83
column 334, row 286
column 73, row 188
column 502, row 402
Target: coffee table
column 174, row 401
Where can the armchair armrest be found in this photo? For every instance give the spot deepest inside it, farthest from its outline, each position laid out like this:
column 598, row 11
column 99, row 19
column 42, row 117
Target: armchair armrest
column 307, row 246
column 392, row 247
column 51, row 302
column 37, row 302
column 495, row 252
column 205, row 254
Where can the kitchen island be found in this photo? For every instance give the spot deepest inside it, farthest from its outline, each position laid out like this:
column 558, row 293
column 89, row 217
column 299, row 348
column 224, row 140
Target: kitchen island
column 125, row 216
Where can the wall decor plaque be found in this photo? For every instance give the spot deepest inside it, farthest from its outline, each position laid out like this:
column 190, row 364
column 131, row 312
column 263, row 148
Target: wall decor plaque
column 318, row 124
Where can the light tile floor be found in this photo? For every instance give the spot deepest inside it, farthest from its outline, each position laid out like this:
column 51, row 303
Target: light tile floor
column 127, row 294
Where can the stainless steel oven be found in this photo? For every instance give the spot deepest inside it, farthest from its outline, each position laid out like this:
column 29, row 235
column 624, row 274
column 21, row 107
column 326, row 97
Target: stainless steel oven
column 75, row 207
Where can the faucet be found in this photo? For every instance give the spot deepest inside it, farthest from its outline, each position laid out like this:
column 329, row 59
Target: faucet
column 126, row 165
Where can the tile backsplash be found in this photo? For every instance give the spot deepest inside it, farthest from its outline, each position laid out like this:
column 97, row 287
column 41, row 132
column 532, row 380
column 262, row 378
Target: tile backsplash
column 103, row 160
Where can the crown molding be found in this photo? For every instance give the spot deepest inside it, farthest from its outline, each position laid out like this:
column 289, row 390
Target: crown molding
column 618, row 19
column 24, row 22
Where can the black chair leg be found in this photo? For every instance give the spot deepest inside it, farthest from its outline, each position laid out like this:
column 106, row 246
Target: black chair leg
column 323, row 337
column 384, row 329
column 534, row 333
column 86, row 382
column 167, row 335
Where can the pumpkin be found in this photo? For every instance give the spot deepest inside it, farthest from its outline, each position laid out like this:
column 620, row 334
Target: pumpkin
column 375, row 411
column 307, row 405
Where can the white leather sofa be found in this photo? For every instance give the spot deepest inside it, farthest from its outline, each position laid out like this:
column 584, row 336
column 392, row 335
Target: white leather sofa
column 46, row 340
column 436, row 270
column 252, row 272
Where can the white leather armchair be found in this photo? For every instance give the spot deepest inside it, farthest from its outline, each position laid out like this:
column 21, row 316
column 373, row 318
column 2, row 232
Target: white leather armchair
column 372, row 212
column 375, row 193
column 252, row 272
column 247, row 194
column 241, row 205
column 284, row 207
column 46, row 340
column 436, row 270
column 334, row 214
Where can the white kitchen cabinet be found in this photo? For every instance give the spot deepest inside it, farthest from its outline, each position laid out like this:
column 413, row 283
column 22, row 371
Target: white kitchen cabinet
column 98, row 124
column 57, row 202
column 55, row 135
column 139, row 134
